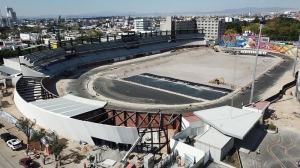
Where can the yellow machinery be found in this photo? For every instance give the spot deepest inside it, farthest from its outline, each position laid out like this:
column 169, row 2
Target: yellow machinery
column 217, row 81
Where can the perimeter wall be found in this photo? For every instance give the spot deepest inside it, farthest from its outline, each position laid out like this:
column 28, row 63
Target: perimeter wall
column 72, row 128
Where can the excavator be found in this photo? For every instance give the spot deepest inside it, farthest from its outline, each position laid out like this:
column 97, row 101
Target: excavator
column 217, row 81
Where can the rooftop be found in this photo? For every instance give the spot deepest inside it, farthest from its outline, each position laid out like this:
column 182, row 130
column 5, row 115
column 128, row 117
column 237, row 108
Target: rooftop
column 191, row 118
column 69, row 105
column 214, row 138
column 9, row 70
column 230, row 121
column 260, row 105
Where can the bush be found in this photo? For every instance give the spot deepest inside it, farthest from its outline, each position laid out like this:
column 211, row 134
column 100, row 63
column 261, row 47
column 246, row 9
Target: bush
column 271, row 127
column 229, row 159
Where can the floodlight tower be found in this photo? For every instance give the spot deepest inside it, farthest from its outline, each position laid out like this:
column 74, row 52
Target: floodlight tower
column 261, row 23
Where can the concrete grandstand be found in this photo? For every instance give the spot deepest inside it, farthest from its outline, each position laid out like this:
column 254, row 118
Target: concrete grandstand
column 81, row 119
column 93, row 121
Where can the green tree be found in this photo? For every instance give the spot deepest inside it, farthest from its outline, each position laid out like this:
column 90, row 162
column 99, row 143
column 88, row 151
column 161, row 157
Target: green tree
column 235, row 26
column 25, row 125
column 93, row 33
column 256, row 20
column 281, row 28
column 7, row 54
column 56, row 148
column 243, row 23
column 230, row 31
column 38, row 135
column 3, row 36
column 75, row 28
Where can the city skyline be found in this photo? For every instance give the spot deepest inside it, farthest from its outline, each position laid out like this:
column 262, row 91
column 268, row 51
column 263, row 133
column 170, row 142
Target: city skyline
column 69, row 7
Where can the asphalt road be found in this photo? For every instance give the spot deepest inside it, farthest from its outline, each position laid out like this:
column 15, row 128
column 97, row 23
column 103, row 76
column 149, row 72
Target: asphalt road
column 262, row 84
column 276, row 150
column 127, row 92
column 8, row 157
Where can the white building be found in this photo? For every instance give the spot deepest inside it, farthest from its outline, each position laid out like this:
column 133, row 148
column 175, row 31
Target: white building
column 29, row 36
column 247, row 19
column 219, row 129
column 260, row 106
column 70, row 37
column 173, row 24
column 215, row 143
column 142, row 24
column 11, row 45
column 212, row 28
column 195, row 123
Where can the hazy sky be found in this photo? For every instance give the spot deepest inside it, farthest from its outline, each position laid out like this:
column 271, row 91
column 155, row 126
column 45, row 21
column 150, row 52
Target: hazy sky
column 64, row 7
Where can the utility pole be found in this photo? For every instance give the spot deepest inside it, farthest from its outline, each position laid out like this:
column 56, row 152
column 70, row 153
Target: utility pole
column 296, row 56
column 234, row 72
column 256, row 57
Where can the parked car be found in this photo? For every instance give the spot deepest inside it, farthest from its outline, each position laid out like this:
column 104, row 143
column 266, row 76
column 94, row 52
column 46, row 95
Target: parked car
column 6, row 136
column 26, row 162
column 14, row 144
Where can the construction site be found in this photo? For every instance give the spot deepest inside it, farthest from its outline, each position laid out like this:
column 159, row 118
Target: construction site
column 189, row 76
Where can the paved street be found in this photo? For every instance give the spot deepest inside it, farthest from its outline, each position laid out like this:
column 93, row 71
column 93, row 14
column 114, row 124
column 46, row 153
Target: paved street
column 276, row 151
column 8, row 157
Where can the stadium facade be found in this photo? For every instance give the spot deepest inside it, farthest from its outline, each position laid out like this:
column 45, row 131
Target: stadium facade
column 88, row 120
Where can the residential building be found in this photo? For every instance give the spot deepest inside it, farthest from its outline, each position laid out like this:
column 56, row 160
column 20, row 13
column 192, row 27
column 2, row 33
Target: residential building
column 29, row 36
column 232, row 19
column 167, row 24
column 176, row 24
column 11, row 44
column 212, row 28
column 70, row 37
column 142, row 24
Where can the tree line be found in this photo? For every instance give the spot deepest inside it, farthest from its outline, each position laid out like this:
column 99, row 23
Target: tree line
column 278, row 29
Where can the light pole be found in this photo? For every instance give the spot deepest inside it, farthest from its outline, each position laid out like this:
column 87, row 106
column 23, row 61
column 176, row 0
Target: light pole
column 233, row 86
column 256, row 57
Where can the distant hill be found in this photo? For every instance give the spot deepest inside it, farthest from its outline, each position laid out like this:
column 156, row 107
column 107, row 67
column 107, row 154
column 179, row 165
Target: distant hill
column 250, row 9
column 113, row 13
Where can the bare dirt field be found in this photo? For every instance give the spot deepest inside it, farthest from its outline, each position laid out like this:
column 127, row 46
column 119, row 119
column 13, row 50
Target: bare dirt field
column 199, row 66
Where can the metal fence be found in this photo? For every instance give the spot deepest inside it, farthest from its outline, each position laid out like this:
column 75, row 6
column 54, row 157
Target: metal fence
column 8, row 117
